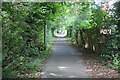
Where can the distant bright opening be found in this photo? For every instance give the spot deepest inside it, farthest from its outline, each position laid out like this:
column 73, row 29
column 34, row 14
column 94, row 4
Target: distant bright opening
column 60, row 32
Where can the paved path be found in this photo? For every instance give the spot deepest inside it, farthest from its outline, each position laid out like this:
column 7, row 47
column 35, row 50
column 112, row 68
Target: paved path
column 64, row 62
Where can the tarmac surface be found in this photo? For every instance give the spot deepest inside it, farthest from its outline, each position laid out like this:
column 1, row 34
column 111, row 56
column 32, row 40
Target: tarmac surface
column 64, row 62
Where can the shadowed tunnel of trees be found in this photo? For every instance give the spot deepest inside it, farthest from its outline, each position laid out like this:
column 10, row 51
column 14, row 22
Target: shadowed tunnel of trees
column 28, row 30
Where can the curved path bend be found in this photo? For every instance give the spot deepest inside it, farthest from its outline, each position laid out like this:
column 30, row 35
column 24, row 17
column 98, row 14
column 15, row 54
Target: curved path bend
column 64, row 62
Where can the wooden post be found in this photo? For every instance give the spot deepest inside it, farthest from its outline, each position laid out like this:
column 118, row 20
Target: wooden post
column 45, row 28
